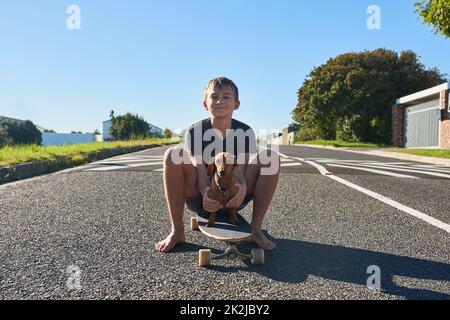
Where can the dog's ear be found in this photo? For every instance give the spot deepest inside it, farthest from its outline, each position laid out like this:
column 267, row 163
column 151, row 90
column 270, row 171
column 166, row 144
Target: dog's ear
column 211, row 168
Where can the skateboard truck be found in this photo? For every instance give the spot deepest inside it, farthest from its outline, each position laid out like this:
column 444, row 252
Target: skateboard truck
column 232, row 235
column 232, row 253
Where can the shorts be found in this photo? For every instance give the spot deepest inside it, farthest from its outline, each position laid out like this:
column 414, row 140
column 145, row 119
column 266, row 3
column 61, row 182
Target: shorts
column 196, row 204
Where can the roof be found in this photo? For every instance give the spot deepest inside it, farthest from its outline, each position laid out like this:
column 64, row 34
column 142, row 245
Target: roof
column 10, row 119
column 427, row 94
column 20, row 121
column 155, row 127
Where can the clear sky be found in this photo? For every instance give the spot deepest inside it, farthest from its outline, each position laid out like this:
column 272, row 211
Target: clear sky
column 154, row 57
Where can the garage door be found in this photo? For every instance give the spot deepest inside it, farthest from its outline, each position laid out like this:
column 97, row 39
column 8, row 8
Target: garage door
column 422, row 125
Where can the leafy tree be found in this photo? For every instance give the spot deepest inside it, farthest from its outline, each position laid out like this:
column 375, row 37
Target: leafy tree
column 167, row 133
column 5, row 139
column 19, row 132
column 129, row 127
column 435, row 13
column 350, row 97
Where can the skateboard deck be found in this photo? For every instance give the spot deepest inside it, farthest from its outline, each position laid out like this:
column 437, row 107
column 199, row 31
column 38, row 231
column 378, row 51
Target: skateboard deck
column 232, row 234
column 224, row 229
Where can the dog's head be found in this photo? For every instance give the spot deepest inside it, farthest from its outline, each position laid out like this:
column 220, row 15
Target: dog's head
column 224, row 163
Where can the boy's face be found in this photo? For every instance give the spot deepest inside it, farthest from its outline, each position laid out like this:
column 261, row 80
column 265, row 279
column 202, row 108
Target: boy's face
column 221, row 103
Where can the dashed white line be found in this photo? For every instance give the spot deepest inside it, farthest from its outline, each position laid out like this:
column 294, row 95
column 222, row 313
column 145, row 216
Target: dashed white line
column 382, row 172
column 442, row 175
column 291, row 164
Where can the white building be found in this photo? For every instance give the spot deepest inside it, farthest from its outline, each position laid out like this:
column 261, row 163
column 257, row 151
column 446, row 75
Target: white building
column 106, row 135
column 57, row 139
column 156, row 130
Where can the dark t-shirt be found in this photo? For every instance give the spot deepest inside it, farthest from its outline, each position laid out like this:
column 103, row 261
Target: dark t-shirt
column 202, row 140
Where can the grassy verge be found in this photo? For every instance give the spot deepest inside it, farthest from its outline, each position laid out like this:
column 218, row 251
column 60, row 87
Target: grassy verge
column 342, row 144
column 436, row 153
column 74, row 153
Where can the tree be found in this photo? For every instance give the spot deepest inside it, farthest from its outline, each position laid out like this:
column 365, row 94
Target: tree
column 435, row 13
column 19, row 132
column 129, row 127
column 350, row 97
column 167, row 133
column 5, row 139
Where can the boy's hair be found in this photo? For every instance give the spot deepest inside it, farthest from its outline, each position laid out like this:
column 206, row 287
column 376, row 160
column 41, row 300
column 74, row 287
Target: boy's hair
column 219, row 83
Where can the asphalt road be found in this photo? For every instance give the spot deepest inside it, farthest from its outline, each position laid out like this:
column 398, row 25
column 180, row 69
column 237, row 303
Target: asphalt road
column 88, row 233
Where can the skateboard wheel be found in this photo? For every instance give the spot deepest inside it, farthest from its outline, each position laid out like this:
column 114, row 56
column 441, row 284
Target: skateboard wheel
column 204, row 257
column 194, row 224
column 257, row 256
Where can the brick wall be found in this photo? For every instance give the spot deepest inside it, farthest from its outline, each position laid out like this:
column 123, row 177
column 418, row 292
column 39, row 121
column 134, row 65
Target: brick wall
column 445, row 122
column 397, row 126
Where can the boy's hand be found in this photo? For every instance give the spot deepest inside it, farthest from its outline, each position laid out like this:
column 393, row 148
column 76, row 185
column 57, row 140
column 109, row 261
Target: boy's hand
column 237, row 200
column 209, row 204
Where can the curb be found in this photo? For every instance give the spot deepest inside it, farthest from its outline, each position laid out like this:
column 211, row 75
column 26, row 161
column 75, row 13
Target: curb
column 32, row 169
column 380, row 153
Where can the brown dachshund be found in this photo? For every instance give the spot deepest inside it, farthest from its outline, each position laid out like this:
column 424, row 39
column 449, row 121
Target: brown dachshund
column 223, row 186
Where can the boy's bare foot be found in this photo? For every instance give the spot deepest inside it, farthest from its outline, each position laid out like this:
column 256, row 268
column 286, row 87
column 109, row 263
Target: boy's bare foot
column 170, row 241
column 262, row 241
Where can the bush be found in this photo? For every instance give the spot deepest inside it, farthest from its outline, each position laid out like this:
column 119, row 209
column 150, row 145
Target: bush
column 348, row 128
column 15, row 132
column 304, row 134
column 129, row 127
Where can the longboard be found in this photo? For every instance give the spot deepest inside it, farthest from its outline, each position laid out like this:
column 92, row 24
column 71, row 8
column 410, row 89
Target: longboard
column 225, row 230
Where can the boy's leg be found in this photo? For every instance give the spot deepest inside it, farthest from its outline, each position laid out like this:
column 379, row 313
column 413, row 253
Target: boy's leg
column 262, row 178
column 180, row 184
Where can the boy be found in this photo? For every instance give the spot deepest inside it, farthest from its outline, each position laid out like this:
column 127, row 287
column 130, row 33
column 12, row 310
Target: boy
column 185, row 178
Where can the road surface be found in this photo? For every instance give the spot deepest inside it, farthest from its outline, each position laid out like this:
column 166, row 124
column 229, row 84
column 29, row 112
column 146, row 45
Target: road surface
column 344, row 223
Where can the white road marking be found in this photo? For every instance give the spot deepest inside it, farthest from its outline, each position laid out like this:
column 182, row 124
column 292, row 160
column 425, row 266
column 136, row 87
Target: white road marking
column 321, row 169
column 291, row 164
column 407, row 170
column 123, row 166
column 106, row 168
column 127, row 161
column 382, row 172
column 342, row 160
column 431, row 166
column 433, row 169
column 420, row 215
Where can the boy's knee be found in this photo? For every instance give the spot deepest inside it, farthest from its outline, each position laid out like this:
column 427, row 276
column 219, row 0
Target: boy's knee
column 174, row 156
column 269, row 161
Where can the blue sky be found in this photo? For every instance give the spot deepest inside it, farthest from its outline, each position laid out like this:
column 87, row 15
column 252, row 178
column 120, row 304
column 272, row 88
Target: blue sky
column 154, row 58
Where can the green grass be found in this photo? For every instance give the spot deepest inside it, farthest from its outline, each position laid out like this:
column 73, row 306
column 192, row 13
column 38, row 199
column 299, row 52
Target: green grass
column 341, row 144
column 437, row 153
column 74, row 153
